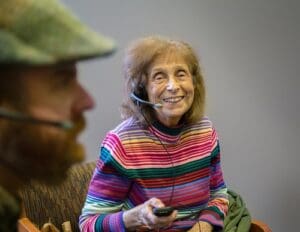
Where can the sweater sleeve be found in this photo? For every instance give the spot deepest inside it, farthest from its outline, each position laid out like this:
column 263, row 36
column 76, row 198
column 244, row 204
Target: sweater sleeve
column 217, row 206
column 102, row 210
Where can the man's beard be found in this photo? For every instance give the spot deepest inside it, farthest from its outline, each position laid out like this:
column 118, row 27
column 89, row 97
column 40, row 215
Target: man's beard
column 41, row 152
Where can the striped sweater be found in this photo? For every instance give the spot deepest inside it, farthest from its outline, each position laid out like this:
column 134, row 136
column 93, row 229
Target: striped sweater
column 180, row 166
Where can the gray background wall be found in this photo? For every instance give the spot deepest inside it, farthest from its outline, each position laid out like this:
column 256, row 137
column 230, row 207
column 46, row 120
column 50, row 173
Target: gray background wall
column 249, row 51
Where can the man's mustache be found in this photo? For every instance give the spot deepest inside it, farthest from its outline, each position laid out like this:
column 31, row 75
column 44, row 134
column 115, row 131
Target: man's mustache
column 79, row 124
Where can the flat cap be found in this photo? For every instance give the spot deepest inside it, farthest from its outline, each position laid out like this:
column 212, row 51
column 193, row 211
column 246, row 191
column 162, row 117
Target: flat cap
column 45, row 32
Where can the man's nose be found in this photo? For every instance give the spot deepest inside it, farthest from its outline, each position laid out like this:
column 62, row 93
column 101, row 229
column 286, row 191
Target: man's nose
column 84, row 101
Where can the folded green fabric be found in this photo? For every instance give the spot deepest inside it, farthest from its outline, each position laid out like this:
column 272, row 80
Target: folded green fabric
column 238, row 218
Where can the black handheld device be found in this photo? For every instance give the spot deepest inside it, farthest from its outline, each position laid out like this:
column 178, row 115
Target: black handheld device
column 163, row 211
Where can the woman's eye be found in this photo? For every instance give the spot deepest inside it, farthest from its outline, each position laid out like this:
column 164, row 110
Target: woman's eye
column 158, row 77
column 181, row 74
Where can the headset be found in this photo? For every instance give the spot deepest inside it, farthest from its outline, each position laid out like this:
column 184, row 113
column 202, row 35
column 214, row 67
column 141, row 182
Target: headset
column 138, row 96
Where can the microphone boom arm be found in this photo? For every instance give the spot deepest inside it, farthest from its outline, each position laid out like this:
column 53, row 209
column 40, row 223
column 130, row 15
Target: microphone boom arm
column 25, row 118
column 136, row 98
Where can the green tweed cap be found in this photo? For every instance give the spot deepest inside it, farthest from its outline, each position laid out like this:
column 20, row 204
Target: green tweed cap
column 44, row 32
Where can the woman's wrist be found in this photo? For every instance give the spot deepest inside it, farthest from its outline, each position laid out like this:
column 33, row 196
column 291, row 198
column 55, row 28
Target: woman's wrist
column 205, row 226
column 131, row 219
column 201, row 227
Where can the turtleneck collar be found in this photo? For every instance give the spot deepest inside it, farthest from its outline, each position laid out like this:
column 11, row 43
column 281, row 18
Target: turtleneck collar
column 172, row 131
column 169, row 135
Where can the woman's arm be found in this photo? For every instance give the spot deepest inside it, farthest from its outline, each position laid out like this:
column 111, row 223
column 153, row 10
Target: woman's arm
column 108, row 189
column 218, row 204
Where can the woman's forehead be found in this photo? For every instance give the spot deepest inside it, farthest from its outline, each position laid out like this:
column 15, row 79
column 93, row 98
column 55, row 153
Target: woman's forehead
column 171, row 57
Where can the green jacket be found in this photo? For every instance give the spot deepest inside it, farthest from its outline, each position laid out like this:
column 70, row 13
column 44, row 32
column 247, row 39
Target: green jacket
column 238, row 218
column 9, row 211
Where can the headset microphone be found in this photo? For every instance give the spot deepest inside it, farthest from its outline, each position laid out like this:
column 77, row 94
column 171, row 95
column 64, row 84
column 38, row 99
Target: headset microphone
column 4, row 113
column 136, row 98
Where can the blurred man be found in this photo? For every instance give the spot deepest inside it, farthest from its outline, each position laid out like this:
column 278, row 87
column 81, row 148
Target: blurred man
column 41, row 101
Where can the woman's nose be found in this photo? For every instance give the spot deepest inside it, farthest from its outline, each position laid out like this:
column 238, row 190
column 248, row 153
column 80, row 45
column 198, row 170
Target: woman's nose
column 172, row 84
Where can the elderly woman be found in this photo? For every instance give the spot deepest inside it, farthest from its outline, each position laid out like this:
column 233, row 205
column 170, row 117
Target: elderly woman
column 164, row 154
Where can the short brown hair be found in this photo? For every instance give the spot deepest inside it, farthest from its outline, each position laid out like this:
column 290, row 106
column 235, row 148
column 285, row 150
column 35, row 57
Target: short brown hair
column 138, row 58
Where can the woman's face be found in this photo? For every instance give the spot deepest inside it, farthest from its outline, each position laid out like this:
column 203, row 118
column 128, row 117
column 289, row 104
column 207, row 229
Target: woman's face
column 170, row 83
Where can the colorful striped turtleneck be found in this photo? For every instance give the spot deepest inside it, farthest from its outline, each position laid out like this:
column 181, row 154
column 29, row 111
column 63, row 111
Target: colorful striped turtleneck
column 180, row 166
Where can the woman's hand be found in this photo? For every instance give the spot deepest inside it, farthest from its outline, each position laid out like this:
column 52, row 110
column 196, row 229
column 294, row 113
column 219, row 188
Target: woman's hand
column 201, row 227
column 142, row 216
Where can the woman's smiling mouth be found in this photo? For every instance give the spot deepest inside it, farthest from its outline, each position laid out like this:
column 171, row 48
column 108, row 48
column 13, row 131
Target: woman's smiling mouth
column 173, row 99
